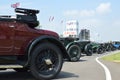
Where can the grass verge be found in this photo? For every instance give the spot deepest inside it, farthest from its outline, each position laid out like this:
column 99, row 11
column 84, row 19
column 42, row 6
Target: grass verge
column 114, row 57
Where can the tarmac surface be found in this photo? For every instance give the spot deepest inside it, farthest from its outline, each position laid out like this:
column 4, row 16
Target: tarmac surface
column 85, row 69
column 114, row 68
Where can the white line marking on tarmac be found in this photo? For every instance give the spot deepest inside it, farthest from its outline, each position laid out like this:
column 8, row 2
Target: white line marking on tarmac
column 107, row 72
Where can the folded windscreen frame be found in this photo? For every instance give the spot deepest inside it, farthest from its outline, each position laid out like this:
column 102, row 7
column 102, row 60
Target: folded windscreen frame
column 27, row 16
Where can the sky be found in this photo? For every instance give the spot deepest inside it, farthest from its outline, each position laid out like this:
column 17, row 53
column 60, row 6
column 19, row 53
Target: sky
column 101, row 17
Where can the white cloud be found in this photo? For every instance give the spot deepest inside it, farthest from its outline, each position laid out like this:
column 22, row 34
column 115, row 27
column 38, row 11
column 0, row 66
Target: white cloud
column 87, row 13
column 82, row 13
column 103, row 8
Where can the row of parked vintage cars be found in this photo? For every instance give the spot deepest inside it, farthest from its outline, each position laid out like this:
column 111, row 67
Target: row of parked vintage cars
column 23, row 47
column 76, row 47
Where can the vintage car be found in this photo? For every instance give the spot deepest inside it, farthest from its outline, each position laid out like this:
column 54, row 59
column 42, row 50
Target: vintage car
column 25, row 48
column 116, row 45
column 76, row 47
column 94, row 47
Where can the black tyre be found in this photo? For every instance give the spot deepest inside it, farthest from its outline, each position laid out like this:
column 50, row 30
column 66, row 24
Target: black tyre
column 75, row 52
column 46, row 61
column 99, row 51
column 88, row 50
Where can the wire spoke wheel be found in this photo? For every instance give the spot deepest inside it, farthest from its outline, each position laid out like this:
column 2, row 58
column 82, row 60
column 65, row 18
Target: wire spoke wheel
column 46, row 61
column 74, row 52
column 88, row 49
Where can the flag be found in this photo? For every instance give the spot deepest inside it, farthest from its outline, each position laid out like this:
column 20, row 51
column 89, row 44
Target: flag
column 51, row 18
column 15, row 5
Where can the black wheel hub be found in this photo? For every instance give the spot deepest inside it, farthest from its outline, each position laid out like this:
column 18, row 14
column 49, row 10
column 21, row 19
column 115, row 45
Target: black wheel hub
column 74, row 52
column 46, row 62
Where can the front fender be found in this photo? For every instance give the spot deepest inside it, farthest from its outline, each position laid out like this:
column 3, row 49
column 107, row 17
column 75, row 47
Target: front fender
column 47, row 39
column 71, row 43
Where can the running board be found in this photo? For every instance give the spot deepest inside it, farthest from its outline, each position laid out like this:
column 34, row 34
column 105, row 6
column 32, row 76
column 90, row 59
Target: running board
column 10, row 66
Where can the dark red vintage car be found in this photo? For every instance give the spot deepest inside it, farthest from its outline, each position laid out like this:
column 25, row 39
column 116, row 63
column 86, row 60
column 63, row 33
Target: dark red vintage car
column 25, row 48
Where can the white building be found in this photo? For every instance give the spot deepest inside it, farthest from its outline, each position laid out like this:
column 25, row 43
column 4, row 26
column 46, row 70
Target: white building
column 72, row 28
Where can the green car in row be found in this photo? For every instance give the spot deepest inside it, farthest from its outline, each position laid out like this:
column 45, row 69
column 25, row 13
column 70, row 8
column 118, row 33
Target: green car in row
column 76, row 48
